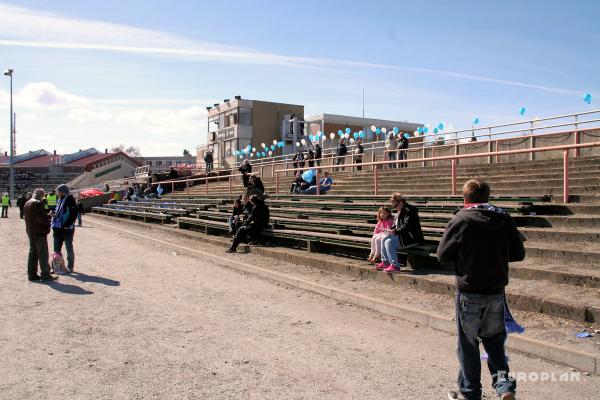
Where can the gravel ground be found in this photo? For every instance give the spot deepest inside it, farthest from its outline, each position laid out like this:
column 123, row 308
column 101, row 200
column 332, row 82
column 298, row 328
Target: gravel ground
column 141, row 321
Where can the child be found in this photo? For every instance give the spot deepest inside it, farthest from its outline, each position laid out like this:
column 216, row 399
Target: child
column 384, row 222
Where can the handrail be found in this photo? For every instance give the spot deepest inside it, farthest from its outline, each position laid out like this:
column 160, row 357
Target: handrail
column 474, row 129
column 565, row 149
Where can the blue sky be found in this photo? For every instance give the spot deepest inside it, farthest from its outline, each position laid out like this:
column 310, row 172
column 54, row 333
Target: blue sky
column 141, row 72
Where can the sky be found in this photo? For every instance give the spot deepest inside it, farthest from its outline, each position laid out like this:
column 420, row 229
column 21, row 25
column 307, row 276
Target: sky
column 102, row 73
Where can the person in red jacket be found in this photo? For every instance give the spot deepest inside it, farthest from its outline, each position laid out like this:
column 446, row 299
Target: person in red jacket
column 480, row 240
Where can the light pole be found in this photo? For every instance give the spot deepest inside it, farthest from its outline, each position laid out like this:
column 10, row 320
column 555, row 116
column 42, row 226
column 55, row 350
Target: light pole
column 11, row 193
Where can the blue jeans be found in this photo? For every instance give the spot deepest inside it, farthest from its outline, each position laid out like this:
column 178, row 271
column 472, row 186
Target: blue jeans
column 389, row 250
column 481, row 317
column 65, row 236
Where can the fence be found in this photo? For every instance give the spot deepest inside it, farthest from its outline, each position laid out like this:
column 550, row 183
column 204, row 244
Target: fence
column 453, row 159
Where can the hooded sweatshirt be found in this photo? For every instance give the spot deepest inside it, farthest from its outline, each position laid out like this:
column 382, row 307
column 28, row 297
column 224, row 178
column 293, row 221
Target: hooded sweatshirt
column 481, row 240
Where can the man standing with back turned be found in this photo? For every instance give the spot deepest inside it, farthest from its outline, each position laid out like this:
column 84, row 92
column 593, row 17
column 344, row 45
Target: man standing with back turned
column 37, row 224
column 481, row 240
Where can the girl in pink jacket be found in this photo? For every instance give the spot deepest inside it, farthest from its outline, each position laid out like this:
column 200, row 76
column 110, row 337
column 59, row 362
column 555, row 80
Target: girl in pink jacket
column 384, row 222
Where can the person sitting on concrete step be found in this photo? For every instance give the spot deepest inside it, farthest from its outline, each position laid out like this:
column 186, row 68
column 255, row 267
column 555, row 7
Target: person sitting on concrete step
column 254, row 225
column 405, row 232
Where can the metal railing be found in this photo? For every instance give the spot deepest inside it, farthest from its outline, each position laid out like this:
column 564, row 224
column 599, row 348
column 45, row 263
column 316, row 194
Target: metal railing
column 488, row 132
column 565, row 150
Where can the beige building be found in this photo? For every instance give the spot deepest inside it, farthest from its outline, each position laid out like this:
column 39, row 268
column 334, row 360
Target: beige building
column 235, row 124
column 328, row 123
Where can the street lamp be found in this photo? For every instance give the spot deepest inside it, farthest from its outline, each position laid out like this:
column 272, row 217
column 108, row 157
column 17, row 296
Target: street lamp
column 9, row 72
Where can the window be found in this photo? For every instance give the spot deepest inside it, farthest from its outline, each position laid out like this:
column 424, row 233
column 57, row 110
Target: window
column 168, row 163
column 245, row 116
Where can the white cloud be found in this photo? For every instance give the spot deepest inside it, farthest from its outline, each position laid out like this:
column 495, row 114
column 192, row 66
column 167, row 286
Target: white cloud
column 87, row 115
column 165, row 121
column 31, row 28
column 45, row 95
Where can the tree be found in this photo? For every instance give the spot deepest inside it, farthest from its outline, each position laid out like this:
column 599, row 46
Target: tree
column 186, row 153
column 131, row 151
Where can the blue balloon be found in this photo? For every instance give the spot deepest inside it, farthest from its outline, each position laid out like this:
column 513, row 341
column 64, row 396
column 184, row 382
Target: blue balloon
column 441, row 126
column 475, row 121
column 341, row 133
column 587, row 98
column 522, row 111
column 348, row 130
column 361, row 134
column 396, row 130
column 378, row 131
column 435, row 130
column 425, row 129
column 420, row 129
column 406, row 135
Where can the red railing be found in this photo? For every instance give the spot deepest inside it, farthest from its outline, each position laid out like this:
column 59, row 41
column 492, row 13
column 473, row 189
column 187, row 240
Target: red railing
column 454, row 158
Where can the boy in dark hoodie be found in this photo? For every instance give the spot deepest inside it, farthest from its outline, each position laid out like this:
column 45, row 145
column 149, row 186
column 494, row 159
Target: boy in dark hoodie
column 481, row 240
column 63, row 224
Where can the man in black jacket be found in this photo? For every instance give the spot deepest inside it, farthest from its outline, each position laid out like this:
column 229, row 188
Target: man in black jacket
column 245, row 169
column 481, row 240
column 341, row 152
column 402, row 146
column 256, row 222
column 318, row 154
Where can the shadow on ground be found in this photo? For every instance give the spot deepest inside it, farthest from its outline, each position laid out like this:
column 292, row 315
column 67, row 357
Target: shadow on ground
column 81, row 277
column 67, row 288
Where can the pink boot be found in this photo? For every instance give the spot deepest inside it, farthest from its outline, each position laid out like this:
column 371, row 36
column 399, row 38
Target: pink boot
column 382, row 266
column 391, row 268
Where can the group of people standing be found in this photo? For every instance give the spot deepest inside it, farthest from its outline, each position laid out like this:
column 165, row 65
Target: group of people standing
column 396, row 149
column 40, row 219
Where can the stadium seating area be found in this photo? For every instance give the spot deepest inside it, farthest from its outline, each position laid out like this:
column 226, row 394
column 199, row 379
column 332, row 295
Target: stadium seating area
column 562, row 239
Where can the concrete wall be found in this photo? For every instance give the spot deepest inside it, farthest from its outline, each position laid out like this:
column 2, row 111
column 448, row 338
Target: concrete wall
column 267, row 118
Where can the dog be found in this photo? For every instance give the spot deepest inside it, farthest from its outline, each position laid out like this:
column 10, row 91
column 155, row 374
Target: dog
column 58, row 264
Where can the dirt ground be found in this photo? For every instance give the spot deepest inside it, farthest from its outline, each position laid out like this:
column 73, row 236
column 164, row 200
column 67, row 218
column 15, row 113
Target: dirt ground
column 142, row 321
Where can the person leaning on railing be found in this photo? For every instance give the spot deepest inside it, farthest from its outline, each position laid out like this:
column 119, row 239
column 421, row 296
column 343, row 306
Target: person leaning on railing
column 341, row 152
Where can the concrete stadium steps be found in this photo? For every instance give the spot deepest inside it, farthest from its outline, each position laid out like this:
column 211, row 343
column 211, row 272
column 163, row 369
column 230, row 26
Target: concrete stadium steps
column 528, row 177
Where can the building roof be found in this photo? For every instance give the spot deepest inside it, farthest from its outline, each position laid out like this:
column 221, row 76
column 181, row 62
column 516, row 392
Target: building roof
column 348, row 120
column 18, row 159
column 69, row 158
column 82, row 162
column 39, row 161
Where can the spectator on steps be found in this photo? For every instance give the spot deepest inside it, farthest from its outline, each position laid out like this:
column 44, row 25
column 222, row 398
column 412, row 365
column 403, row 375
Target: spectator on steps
column 208, row 160
column 116, row 196
column 318, row 154
column 235, row 215
column 245, row 169
column 384, row 222
column 255, row 186
column 310, row 158
column 295, row 188
column 173, row 173
column 106, row 188
column 254, row 225
column 341, row 152
column 324, row 184
column 391, row 149
column 402, row 146
column 405, row 232
column 358, row 154
column 480, row 240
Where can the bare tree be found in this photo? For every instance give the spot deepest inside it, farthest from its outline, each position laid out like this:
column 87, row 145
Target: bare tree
column 186, row 153
column 131, row 151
